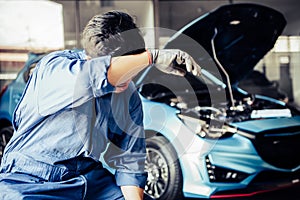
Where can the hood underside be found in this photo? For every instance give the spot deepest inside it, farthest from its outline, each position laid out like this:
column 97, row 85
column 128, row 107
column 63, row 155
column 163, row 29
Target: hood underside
column 243, row 34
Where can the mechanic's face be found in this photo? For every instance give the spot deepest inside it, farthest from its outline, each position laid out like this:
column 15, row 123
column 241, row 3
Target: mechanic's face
column 122, row 87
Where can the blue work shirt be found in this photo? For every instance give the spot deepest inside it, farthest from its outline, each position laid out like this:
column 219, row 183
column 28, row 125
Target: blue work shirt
column 68, row 109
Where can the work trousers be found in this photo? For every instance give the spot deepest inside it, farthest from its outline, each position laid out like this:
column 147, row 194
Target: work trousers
column 83, row 179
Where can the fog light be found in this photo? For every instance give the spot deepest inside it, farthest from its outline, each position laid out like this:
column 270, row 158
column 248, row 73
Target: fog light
column 220, row 174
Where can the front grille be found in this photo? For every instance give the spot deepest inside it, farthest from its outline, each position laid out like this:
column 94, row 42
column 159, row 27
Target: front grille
column 280, row 149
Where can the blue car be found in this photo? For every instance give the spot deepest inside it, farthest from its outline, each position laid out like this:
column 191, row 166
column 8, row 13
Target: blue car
column 206, row 137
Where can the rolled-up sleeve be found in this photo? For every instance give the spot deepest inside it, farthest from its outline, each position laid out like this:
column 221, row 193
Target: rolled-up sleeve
column 127, row 150
column 127, row 178
column 98, row 75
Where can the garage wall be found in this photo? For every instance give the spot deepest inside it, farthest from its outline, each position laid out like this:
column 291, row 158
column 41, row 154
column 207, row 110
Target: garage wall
column 78, row 13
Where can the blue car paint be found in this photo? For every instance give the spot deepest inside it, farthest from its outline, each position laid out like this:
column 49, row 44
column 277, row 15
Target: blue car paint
column 258, row 126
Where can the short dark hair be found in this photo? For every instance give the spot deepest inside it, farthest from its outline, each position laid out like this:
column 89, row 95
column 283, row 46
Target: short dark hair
column 112, row 33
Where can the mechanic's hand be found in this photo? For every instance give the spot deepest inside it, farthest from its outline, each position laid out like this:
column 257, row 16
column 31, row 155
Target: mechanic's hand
column 170, row 60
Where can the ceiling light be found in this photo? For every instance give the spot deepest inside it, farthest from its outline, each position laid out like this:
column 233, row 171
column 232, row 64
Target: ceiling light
column 235, row 22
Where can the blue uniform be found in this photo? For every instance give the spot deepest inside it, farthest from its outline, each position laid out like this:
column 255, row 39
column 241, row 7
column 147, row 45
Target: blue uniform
column 67, row 120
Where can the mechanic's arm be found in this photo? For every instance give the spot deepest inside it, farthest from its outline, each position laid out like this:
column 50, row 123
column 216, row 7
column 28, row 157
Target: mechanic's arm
column 132, row 192
column 124, row 68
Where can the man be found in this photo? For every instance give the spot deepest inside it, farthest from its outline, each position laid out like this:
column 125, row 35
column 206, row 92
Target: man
column 79, row 106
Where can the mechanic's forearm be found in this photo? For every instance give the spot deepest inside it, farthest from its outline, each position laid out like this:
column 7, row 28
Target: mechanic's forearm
column 124, row 68
column 132, row 192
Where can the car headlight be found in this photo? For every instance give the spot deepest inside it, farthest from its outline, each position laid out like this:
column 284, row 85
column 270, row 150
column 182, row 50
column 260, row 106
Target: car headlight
column 214, row 129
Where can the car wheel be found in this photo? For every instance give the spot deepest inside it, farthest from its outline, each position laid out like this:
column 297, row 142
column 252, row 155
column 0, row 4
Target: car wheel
column 164, row 172
column 5, row 135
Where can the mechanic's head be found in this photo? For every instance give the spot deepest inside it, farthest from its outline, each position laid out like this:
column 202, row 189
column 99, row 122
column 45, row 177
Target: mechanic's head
column 112, row 33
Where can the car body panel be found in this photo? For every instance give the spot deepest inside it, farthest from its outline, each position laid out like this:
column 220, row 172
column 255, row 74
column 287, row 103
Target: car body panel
column 265, row 125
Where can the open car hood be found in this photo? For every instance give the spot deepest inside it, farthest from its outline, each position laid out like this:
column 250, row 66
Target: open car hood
column 243, row 34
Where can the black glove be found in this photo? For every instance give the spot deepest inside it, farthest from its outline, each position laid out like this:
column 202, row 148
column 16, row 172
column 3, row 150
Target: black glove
column 170, row 60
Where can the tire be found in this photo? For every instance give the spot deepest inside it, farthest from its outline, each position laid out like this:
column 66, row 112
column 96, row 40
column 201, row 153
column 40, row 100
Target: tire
column 164, row 172
column 5, row 135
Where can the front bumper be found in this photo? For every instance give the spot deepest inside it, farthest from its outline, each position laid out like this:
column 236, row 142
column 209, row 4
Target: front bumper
column 242, row 172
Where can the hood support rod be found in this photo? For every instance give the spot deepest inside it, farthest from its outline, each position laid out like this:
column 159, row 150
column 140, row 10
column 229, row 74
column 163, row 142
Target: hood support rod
column 222, row 68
